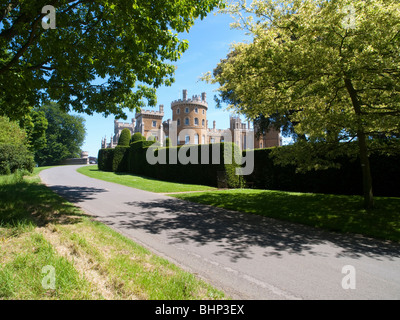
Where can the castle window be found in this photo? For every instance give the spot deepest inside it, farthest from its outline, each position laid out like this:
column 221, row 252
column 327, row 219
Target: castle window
column 186, row 121
column 154, row 124
column 212, row 140
column 196, row 139
column 202, row 122
column 178, row 111
column 196, row 121
column 178, row 122
column 187, row 139
column 203, row 139
column 196, row 110
column 186, row 110
column 203, row 112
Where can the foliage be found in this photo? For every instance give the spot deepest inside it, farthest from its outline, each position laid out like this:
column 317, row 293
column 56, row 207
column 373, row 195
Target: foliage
column 137, row 136
column 125, row 44
column 344, row 179
column 168, row 142
column 11, row 133
column 14, row 153
column 124, row 138
column 105, row 159
column 331, row 69
column 222, row 173
column 65, row 135
column 15, row 157
column 35, row 125
column 120, row 159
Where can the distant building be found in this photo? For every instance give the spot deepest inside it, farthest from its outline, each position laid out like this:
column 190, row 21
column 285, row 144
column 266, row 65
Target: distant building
column 189, row 117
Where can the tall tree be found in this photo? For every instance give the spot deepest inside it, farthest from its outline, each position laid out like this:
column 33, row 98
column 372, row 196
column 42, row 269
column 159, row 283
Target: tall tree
column 65, row 135
column 35, row 125
column 332, row 67
column 127, row 46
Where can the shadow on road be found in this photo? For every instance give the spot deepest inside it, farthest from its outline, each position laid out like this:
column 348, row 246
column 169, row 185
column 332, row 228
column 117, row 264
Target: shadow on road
column 76, row 194
column 237, row 233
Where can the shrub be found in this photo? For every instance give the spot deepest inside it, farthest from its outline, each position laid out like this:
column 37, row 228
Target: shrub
column 105, row 159
column 124, row 138
column 218, row 174
column 120, row 159
column 15, row 157
column 11, row 133
column 137, row 137
column 344, row 180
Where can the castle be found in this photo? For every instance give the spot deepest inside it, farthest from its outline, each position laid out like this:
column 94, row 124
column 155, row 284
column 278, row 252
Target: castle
column 189, row 125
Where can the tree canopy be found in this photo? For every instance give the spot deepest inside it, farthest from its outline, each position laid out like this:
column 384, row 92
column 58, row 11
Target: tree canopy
column 11, row 133
column 330, row 67
column 126, row 46
column 65, row 135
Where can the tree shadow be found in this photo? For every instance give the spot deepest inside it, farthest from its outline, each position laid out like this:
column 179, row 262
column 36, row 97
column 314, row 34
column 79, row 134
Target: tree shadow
column 27, row 203
column 238, row 234
column 76, row 194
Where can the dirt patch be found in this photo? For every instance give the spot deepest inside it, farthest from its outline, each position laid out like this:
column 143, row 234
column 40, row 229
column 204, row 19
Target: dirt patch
column 89, row 268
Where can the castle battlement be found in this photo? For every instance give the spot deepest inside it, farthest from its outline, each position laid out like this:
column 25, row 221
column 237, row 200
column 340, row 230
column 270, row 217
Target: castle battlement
column 196, row 100
column 150, row 113
column 190, row 101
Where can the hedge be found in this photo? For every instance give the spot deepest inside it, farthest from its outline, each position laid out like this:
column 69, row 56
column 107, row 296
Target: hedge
column 15, row 157
column 120, row 159
column 134, row 160
column 201, row 170
column 345, row 180
column 124, row 138
column 105, row 159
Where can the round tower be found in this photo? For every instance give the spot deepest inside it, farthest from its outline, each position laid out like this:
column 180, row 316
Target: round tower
column 191, row 118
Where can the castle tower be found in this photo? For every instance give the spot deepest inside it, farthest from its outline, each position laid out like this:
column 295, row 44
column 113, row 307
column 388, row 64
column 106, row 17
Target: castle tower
column 149, row 124
column 191, row 118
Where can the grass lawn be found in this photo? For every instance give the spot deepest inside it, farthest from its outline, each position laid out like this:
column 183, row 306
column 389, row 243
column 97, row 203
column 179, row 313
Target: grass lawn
column 332, row 212
column 90, row 261
column 139, row 182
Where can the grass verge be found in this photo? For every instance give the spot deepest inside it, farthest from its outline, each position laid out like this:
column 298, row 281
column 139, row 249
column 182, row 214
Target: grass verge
column 332, row 212
column 39, row 229
column 140, row 182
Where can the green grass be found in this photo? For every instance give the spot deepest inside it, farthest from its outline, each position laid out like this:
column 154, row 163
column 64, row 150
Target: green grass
column 91, row 261
column 332, row 212
column 140, row 182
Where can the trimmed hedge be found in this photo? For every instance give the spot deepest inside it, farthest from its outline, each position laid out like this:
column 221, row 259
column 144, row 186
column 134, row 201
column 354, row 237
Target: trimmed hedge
column 124, row 138
column 200, row 170
column 346, row 180
column 120, row 159
column 105, row 159
column 15, row 157
column 137, row 136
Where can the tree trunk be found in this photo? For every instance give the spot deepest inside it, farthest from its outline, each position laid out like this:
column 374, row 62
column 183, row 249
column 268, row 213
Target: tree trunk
column 362, row 143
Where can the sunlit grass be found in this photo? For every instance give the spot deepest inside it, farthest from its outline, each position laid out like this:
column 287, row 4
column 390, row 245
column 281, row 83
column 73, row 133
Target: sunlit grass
column 140, row 182
column 38, row 228
column 333, row 212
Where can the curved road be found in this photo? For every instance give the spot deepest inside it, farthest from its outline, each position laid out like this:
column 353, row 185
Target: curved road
column 247, row 256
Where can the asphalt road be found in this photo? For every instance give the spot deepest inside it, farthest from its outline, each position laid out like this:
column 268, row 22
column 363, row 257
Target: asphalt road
column 247, row 256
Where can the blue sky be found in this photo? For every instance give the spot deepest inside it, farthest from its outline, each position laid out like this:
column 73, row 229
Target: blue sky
column 209, row 42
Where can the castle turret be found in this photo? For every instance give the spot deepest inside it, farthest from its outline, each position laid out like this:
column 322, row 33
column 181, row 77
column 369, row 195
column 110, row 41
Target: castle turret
column 191, row 116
